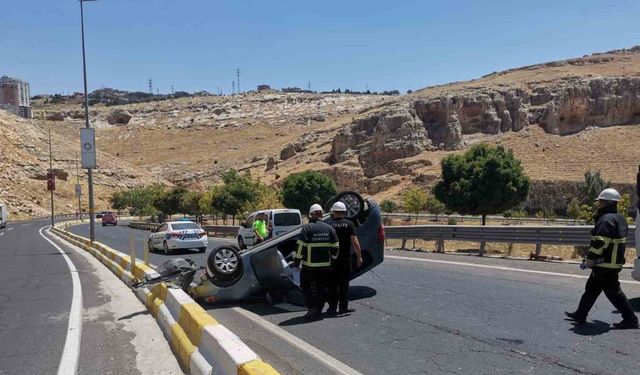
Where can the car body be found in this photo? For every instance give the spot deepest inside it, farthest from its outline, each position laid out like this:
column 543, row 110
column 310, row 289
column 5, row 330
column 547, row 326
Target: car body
column 178, row 235
column 279, row 222
column 4, row 215
column 109, row 218
column 233, row 275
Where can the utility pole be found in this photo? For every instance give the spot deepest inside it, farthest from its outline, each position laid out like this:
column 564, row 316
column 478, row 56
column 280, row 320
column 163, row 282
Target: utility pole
column 92, row 221
column 172, row 92
column 233, row 87
column 150, row 86
column 309, row 86
column 238, row 73
column 51, row 176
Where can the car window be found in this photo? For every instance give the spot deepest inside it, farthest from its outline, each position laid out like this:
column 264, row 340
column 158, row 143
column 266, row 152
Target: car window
column 162, row 228
column 250, row 221
column 284, row 219
column 183, row 226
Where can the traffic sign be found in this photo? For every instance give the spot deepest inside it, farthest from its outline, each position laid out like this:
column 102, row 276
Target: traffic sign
column 51, row 182
column 88, row 147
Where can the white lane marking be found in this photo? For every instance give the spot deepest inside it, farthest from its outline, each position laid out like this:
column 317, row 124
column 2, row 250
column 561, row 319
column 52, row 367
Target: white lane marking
column 10, row 228
column 71, row 352
column 314, row 352
column 24, row 225
column 1, row 234
column 499, row 268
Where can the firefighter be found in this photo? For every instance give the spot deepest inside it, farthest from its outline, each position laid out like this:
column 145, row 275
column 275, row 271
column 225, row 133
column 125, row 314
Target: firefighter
column 317, row 248
column 606, row 258
column 341, row 272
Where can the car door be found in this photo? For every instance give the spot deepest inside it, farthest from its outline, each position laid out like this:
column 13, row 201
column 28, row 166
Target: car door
column 248, row 236
column 158, row 236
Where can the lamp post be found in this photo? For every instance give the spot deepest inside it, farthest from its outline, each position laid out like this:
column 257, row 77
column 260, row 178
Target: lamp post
column 92, row 220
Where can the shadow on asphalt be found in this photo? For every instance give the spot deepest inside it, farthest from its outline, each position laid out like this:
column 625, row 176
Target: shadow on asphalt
column 173, row 253
column 635, row 304
column 361, row 292
column 137, row 313
column 595, row 328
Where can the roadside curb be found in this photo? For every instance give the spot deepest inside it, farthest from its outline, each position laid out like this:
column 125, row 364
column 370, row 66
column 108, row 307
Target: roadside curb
column 201, row 344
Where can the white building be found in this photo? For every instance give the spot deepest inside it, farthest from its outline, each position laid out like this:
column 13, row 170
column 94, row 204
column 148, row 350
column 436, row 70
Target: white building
column 15, row 96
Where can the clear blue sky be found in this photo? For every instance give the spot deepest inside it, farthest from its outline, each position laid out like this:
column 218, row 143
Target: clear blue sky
column 198, row 44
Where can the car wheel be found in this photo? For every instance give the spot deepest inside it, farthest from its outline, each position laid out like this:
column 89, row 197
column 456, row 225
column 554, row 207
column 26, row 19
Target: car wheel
column 165, row 248
column 202, row 249
column 241, row 243
column 224, row 266
column 354, row 203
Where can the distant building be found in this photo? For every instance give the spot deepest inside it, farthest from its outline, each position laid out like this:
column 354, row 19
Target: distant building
column 263, row 88
column 15, row 96
column 292, row 89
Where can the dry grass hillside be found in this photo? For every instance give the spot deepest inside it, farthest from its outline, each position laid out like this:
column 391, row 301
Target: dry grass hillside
column 547, row 113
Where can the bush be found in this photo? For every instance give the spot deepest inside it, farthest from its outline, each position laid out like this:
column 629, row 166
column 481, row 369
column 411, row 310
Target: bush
column 301, row 190
column 452, row 221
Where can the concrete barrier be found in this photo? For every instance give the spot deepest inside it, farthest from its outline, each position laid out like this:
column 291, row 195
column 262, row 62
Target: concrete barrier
column 201, row 344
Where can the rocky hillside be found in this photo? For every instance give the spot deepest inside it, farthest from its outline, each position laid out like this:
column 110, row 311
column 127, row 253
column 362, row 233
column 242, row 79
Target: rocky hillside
column 560, row 118
column 24, row 163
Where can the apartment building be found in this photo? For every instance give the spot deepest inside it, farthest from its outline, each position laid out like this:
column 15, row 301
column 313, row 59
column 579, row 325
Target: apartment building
column 15, row 96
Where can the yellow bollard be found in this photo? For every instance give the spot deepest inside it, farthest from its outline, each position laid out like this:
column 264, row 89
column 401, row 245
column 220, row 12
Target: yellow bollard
column 132, row 250
column 146, row 255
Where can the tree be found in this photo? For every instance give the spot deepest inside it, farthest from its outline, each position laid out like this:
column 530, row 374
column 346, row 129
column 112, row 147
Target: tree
column 623, row 207
column 415, row 200
column 190, row 204
column 388, row 206
column 483, row 181
column 573, row 210
column 168, row 203
column 592, row 186
column 301, row 190
column 434, row 206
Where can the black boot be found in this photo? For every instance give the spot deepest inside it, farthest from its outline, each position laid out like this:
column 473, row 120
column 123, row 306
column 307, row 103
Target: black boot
column 626, row 324
column 575, row 317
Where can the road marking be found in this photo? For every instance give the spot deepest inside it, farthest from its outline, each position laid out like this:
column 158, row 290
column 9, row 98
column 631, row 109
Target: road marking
column 314, row 352
column 71, row 351
column 499, row 268
column 1, row 234
column 8, row 229
column 24, row 225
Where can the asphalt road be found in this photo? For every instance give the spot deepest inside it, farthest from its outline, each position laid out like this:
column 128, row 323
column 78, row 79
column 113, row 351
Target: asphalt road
column 443, row 314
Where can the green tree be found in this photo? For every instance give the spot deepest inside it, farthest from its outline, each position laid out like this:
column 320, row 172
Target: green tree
column 414, row 201
column 434, row 206
column 190, row 204
column 118, row 200
column 573, row 209
column 623, row 207
column 169, row 202
column 593, row 184
column 483, row 181
column 301, row 190
column 388, row 206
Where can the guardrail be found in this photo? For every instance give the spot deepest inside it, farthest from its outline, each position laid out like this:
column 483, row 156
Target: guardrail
column 213, row 230
column 468, row 218
column 538, row 235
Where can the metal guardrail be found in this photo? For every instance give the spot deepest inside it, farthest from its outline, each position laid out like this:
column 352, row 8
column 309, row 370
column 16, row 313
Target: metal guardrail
column 477, row 219
column 214, row 230
column 538, row 235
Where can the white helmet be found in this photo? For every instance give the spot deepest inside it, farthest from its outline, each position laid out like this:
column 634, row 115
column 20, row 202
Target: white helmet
column 609, row 195
column 338, row 207
column 314, row 208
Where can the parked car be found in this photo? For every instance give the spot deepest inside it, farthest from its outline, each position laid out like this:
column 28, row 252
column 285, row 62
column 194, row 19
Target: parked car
column 4, row 215
column 279, row 222
column 232, row 274
column 109, row 218
column 178, row 235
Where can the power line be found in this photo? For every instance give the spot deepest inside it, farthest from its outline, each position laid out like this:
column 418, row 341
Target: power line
column 150, row 86
column 233, row 87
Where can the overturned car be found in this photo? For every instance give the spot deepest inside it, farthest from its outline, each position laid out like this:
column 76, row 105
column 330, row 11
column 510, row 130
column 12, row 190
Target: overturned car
column 267, row 269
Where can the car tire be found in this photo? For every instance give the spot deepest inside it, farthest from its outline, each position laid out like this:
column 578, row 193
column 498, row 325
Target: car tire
column 241, row 243
column 224, row 266
column 165, row 248
column 202, row 249
column 354, row 203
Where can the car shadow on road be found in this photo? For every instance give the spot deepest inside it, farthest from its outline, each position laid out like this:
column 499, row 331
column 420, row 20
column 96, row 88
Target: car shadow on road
column 595, row 328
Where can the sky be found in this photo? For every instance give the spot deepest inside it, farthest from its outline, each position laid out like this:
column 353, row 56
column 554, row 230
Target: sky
column 196, row 45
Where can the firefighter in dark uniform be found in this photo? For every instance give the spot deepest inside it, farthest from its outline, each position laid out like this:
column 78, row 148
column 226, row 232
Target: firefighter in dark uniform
column 341, row 273
column 317, row 248
column 606, row 258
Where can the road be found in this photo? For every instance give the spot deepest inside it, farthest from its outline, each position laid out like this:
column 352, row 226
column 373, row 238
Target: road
column 442, row 314
column 96, row 320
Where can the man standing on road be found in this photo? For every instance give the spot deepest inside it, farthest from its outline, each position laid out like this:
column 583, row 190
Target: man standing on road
column 341, row 273
column 606, row 257
column 260, row 227
column 317, row 248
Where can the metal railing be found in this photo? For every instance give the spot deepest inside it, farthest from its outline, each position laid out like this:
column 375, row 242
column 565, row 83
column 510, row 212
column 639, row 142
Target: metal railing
column 538, row 235
column 212, row 230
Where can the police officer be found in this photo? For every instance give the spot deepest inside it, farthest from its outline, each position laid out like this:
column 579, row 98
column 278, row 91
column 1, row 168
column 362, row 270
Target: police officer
column 341, row 273
column 606, row 258
column 317, row 248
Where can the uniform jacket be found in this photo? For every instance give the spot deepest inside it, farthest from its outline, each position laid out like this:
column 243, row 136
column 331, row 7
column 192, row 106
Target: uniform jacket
column 317, row 246
column 608, row 239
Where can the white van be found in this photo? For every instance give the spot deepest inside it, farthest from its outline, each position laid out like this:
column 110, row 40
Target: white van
column 4, row 215
column 279, row 222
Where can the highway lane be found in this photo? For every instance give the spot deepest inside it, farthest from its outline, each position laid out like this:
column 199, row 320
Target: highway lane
column 118, row 238
column 417, row 316
column 35, row 295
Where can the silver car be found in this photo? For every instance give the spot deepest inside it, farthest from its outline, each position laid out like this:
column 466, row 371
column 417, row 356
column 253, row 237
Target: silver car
column 232, row 274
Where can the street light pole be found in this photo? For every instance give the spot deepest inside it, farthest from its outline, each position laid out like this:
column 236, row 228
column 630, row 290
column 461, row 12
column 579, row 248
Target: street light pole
column 92, row 220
